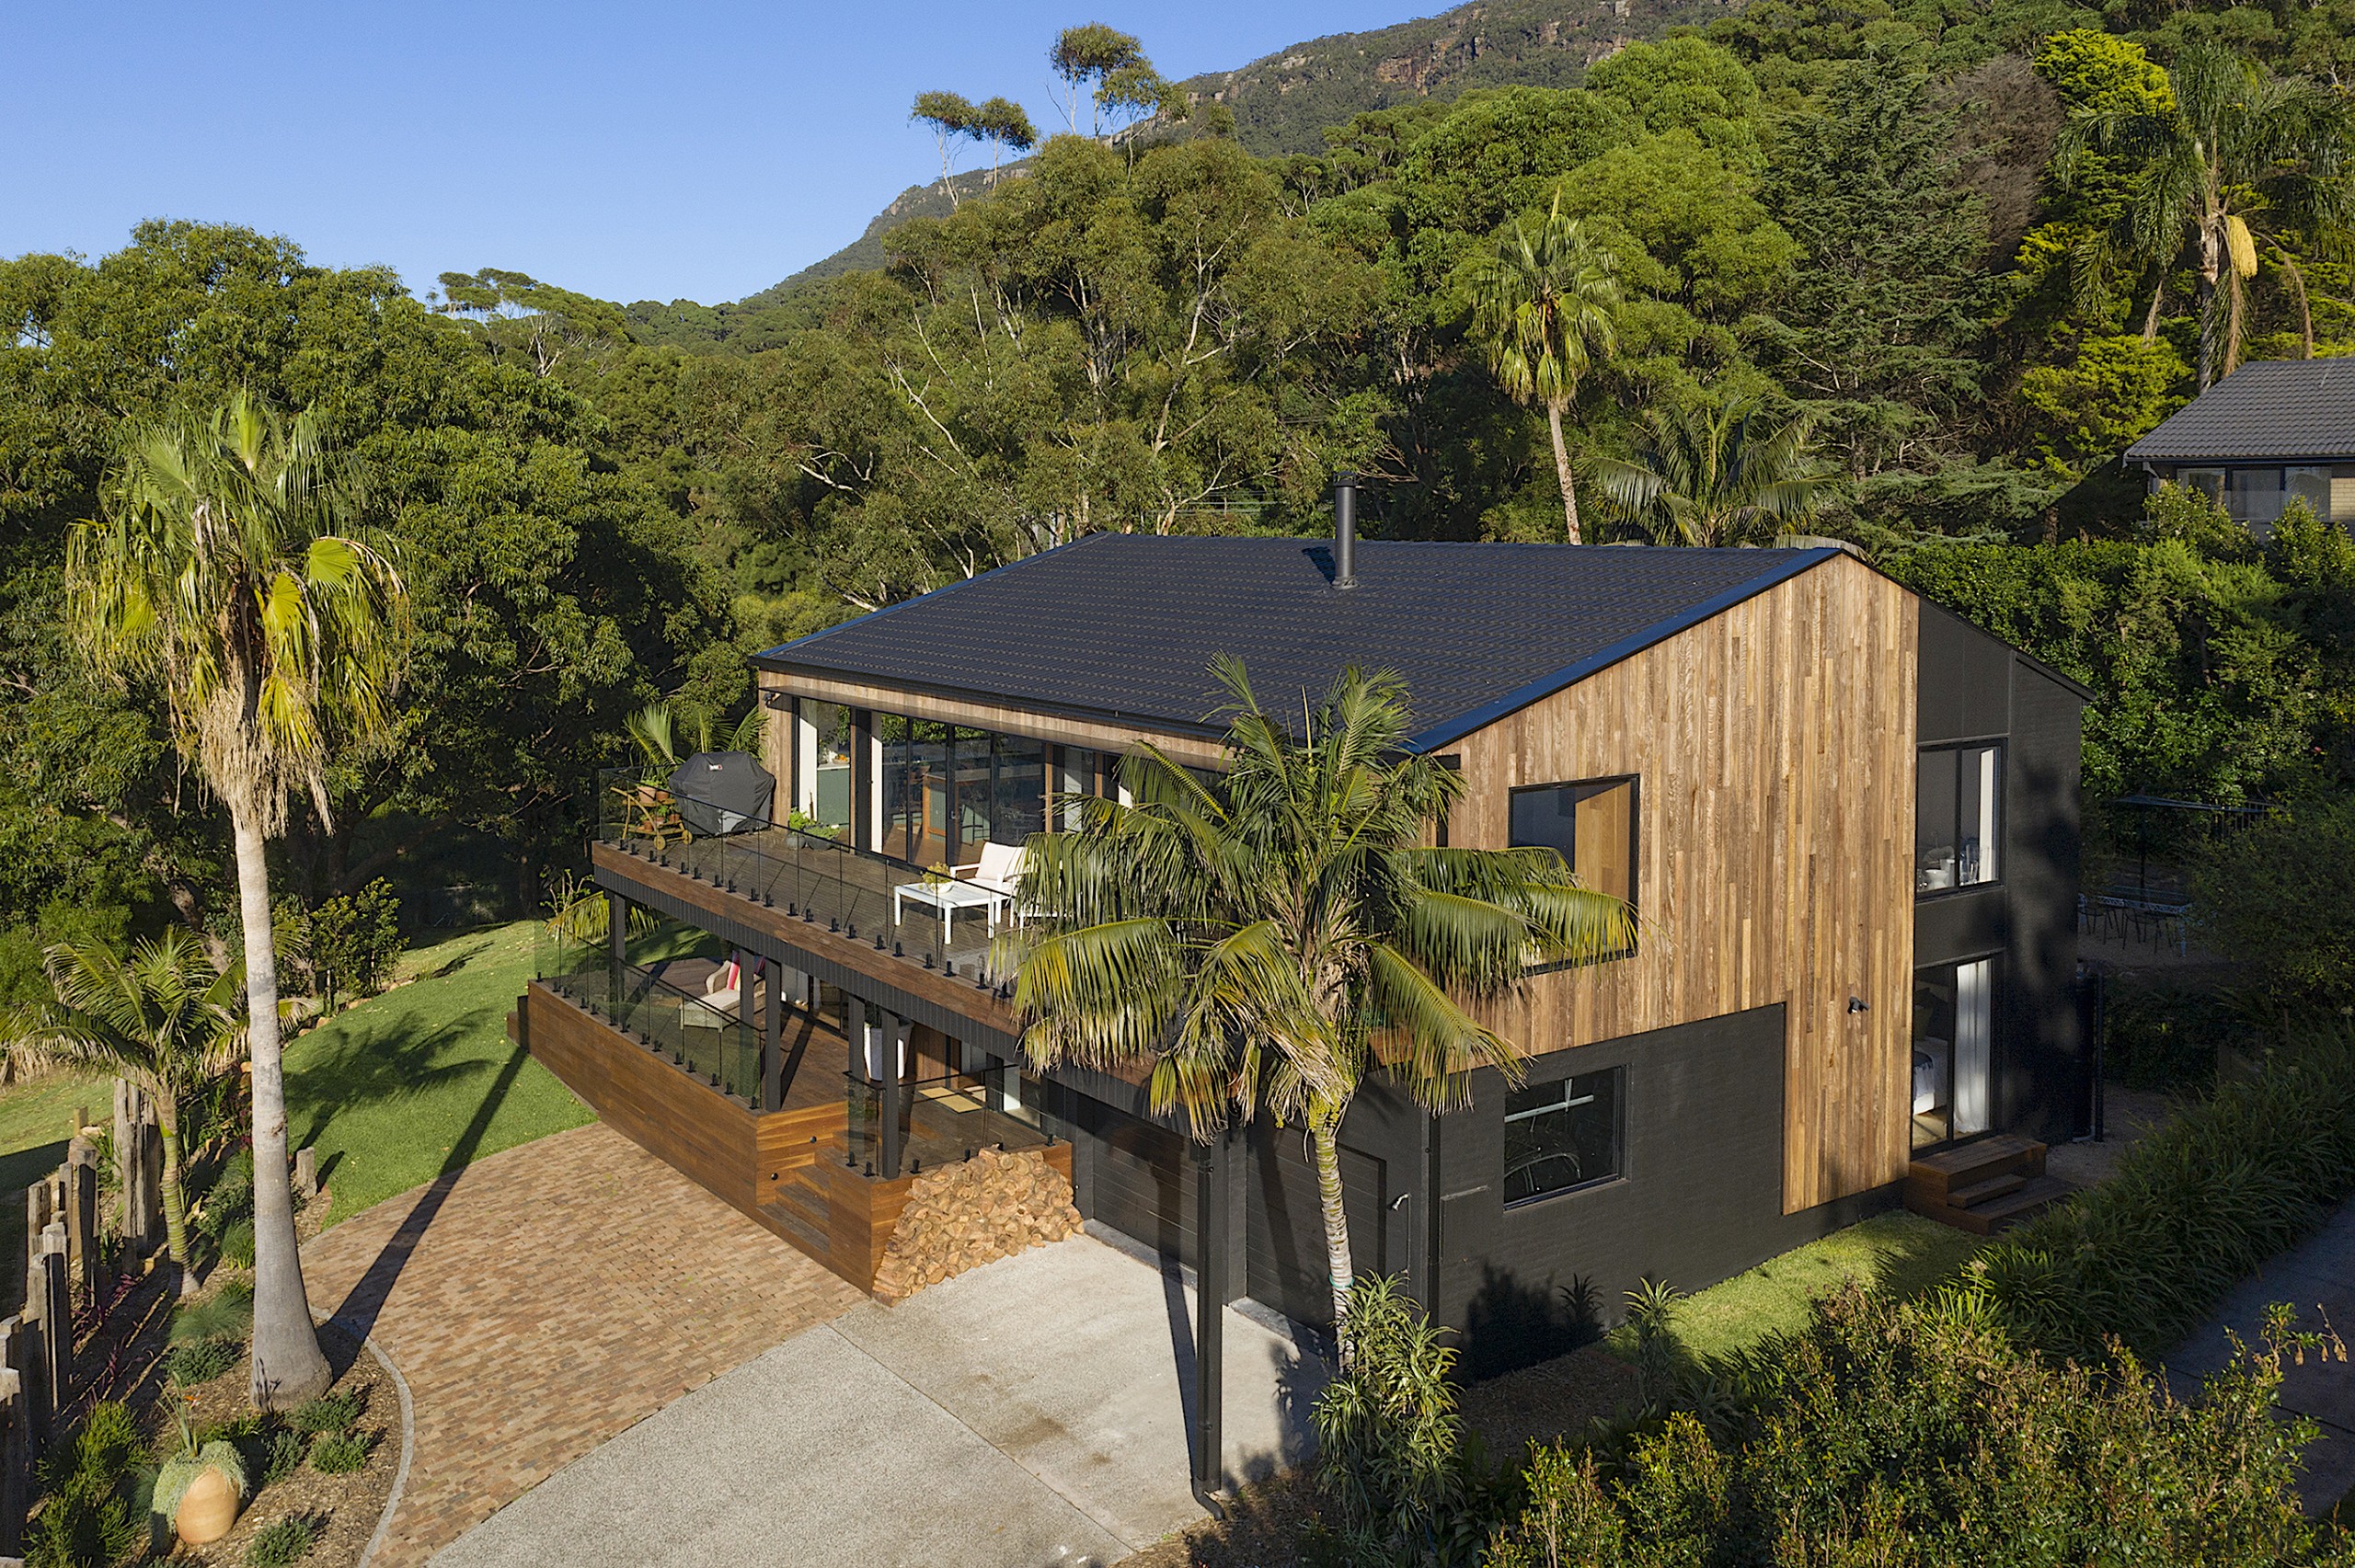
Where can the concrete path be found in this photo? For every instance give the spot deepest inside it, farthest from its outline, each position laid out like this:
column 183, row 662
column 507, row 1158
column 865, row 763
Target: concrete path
column 545, row 1299
column 2317, row 1280
column 1032, row 1411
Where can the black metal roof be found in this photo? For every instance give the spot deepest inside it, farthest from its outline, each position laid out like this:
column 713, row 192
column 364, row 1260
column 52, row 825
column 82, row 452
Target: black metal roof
column 1124, row 626
column 2272, row 411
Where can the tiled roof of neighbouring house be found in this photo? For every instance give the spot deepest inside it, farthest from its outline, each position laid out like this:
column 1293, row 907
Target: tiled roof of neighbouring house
column 1124, row 626
column 2274, row 410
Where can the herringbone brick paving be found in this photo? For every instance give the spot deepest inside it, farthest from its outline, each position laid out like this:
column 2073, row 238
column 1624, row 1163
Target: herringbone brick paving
column 543, row 1299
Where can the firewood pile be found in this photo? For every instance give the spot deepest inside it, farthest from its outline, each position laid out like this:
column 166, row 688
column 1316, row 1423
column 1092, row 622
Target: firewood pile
column 962, row 1216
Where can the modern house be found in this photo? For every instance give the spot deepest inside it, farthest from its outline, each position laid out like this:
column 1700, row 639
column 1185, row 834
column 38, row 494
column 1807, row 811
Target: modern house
column 1846, row 819
column 2272, row 432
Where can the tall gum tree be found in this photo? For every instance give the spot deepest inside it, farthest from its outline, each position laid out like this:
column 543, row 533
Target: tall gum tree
column 230, row 572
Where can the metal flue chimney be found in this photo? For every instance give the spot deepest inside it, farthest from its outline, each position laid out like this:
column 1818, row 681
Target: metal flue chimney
column 1345, row 529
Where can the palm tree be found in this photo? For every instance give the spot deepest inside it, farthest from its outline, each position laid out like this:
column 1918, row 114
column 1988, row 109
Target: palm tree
column 1714, row 475
column 229, row 570
column 661, row 730
column 1277, row 934
column 2238, row 151
column 1543, row 306
column 166, row 1021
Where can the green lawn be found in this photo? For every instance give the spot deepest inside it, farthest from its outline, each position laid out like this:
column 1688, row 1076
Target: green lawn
column 423, row 1079
column 1900, row 1254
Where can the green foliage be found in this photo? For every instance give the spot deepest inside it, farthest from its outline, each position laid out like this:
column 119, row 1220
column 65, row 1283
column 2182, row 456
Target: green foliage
column 283, row 1455
column 230, row 1196
column 225, row 1314
column 85, row 1519
column 2193, row 1208
column 237, row 1244
column 338, row 1453
column 2117, row 391
column 354, row 942
column 1391, row 1463
column 329, row 1413
column 2273, row 897
column 1651, row 1314
column 1917, row 1434
column 198, row 1361
column 282, row 1542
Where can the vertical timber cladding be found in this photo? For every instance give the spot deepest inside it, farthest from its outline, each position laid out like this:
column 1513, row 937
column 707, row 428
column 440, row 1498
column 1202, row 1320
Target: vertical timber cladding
column 1774, row 742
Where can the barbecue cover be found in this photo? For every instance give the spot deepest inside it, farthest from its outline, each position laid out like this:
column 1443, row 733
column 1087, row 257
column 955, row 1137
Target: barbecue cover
column 722, row 792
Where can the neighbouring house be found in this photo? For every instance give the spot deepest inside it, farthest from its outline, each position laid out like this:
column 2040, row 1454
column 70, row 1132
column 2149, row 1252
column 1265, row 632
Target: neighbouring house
column 2272, row 432
column 1847, row 820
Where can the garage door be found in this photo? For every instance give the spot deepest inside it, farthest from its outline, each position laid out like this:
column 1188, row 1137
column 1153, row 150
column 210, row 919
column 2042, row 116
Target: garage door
column 1286, row 1223
column 1144, row 1180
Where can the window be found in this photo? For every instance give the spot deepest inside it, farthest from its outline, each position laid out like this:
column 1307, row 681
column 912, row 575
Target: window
column 1956, row 820
column 948, row 790
column 1593, row 826
column 1560, row 1136
column 2311, row 485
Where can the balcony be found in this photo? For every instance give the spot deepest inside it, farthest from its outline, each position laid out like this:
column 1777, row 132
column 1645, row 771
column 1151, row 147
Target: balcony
column 935, row 925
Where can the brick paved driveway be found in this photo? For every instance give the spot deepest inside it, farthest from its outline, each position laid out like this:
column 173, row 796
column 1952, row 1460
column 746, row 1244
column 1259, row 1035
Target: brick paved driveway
column 544, row 1299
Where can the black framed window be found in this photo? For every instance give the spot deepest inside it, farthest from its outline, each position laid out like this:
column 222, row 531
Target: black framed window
column 1958, row 818
column 1563, row 1136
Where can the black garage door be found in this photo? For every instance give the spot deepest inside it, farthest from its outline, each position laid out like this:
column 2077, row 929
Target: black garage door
column 1144, row 1179
column 1285, row 1226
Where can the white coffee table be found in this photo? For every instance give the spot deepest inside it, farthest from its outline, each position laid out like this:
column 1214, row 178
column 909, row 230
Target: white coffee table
column 947, row 898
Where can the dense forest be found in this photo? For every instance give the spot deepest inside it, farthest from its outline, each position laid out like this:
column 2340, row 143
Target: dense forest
column 1939, row 264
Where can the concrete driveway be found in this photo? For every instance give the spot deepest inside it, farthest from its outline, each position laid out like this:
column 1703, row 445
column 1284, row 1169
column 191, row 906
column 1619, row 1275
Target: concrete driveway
column 1031, row 1412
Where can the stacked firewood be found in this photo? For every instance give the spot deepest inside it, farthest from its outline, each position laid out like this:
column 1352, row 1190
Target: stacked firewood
column 961, row 1216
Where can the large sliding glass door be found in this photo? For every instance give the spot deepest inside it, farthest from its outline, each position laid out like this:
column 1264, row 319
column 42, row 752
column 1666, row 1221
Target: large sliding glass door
column 948, row 790
column 1954, row 1051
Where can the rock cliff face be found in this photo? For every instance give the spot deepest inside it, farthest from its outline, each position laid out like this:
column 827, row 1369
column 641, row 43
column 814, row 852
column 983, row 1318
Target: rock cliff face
column 1283, row 102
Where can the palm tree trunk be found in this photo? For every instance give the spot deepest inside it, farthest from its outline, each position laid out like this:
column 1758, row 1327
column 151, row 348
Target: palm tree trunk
column 2151, row 321
column 1322, row 1126
column 1562, row 470
column 287, row 1367
column 167, row 1128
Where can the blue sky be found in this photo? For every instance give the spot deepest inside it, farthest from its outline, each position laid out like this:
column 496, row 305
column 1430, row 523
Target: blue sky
column 680, row 150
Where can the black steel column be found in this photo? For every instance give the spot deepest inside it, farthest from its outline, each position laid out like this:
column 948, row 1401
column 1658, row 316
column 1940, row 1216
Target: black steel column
column 617, row 926
column 773, row 1035
column 1214, row 1174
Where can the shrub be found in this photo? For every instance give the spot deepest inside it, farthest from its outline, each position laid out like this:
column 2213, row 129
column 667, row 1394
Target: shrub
column 282, row 1542
column 201, row 1360
column 2193, row 1207
column 230, row 1197
column 329, row 1413
column 281, row 1456
column 1920, row 1433
column 1390, row 1458
column 237, row 1243
column 227, row 1313
column 338, row 1453
column 87, row 1520
column 2269, row 896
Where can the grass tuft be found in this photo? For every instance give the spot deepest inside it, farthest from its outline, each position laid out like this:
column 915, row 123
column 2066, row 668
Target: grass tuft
column 329, row 1413
column 338, row 1453
column 282, row 1542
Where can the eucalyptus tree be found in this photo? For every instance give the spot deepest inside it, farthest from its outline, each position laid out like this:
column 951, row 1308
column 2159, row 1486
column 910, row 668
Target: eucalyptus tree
column 2234, row 156
column 1006, row 128
column 1277, row 934
column 952, row 119
column 1714, row 474
column 166, row 1019
column 230, row 573
column 1097, row 54
column 1542, row 307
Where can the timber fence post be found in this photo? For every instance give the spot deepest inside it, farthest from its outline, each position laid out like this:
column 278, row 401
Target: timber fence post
column 32, row 1420
column 139, row 1167
column 16, row 1463
column 57, row 1317
column 81, row 1217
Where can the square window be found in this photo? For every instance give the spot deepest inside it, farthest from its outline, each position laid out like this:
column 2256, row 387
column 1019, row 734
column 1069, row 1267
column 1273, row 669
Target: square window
column 1562, row 1135
column 1591, row 824
column 1957, row 820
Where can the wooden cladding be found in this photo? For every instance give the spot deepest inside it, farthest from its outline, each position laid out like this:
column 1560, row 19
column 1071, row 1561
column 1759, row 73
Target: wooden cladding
column 1091, row 734
column 1773, row 751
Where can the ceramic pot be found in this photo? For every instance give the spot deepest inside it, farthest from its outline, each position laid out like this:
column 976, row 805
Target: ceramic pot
column 207, row 1508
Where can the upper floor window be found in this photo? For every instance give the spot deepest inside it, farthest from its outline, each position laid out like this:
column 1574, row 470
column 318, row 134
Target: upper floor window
column 1957, row 817
column 1593, row 826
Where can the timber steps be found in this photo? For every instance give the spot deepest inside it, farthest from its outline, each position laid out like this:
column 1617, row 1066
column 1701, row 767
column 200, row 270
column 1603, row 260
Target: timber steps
column 1985, row 1185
